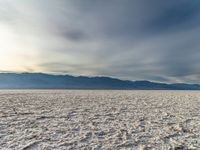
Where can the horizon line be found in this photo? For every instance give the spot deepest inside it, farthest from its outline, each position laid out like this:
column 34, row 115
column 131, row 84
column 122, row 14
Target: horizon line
column 92, row 76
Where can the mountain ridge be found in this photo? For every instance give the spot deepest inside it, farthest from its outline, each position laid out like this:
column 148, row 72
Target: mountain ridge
column 50, row 81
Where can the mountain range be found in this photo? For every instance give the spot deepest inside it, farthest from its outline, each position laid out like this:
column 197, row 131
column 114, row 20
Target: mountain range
column 49, row 81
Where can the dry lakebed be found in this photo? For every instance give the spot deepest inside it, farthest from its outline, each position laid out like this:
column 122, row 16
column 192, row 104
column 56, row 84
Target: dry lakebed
column 99, row 119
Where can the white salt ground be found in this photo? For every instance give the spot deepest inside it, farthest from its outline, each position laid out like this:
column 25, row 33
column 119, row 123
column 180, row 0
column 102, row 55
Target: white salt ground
column 99, row 119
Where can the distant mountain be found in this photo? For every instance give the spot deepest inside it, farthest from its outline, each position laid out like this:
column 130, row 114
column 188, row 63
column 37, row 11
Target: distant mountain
column 47, row 81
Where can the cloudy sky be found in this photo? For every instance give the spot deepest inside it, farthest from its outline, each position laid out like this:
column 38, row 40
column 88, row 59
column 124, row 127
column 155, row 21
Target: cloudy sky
column 157, row 40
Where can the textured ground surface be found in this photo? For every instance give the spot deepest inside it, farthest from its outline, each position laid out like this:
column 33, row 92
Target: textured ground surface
column 99, row 119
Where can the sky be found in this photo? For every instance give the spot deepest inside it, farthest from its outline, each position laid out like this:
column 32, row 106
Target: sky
column 156, row 40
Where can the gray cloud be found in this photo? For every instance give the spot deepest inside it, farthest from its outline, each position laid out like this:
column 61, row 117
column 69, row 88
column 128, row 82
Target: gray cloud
column 130, row 39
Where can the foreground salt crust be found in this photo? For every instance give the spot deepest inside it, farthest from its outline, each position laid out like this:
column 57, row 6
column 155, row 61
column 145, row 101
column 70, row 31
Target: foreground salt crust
column 86, row 119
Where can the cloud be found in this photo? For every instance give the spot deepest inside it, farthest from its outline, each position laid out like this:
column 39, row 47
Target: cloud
column 130, row 39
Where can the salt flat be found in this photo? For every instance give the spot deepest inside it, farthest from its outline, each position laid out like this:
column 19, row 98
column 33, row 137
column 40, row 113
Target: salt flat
column 99, row 119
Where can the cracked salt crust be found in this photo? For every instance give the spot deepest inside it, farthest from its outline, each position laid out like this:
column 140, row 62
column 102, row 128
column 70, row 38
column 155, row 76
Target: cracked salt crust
column 99, row 119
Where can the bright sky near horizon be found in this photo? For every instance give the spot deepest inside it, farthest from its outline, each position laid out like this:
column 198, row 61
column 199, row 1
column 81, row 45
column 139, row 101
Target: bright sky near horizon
column 155, row 40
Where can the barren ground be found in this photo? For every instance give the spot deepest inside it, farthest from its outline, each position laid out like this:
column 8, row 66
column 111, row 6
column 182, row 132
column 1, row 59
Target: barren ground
column 99, row 119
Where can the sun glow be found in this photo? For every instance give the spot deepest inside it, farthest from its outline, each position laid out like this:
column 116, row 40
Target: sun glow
column 14, row 55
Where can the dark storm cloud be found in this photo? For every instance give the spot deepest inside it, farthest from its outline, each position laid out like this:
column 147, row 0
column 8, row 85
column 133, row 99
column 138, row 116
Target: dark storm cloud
column 75, row 35
column 176, row 14
column 130, row 39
